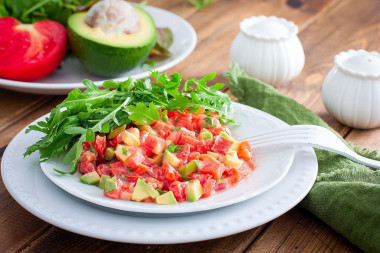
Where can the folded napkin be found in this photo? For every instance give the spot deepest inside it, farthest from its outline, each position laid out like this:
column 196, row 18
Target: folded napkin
column 346, row 195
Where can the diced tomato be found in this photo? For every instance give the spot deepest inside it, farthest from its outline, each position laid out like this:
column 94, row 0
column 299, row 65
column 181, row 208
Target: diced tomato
column 103, row 169
column 119, row 168
column 204, row 146
column 132, row 179
column 141, row 169
column 245, row 153
column 174, row 136
column 183, row 155
column 232, row 175
column 88, row 156
column 210, row 165
column 193, row 156
column 135, row 159
column 193, row 142
column 157, row 184
column 170, row 173
column 143, row 135
column 201, row 177
column 220, row 185
column 86, row 167
column 222, row 145
column 178, row 190
column 154, row 144
column 185, row 121
column 115, row 194
column 244, row 170
column 86, row 145
column 216, row 130
column 100, row 145
column 159, row 125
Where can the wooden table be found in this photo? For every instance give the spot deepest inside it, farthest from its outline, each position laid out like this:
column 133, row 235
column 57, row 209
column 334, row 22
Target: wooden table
column 326, row 28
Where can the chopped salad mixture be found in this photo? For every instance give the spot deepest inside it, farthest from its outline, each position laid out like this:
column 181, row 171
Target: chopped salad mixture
column 150, row 142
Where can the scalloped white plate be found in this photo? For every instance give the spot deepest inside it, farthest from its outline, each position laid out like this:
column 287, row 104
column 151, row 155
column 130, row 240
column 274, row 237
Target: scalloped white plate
column 271, row 167
column 71, row 73
column 26, row 183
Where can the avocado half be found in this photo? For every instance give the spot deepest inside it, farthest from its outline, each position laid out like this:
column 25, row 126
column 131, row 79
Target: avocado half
column 110, row 55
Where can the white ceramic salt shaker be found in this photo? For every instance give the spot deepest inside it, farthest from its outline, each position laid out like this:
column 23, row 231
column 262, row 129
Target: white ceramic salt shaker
column 268, row 49
column 351, row 90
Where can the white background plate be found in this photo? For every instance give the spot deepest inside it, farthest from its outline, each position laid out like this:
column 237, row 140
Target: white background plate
column 28, row 185
column 72, row 73
column 271, row 167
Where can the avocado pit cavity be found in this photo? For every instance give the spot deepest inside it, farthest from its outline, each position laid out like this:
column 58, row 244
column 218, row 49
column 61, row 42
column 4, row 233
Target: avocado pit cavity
column 113, row 17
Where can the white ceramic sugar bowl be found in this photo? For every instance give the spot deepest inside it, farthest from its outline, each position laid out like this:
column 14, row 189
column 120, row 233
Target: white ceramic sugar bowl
column 351, row 91
column 268, row 49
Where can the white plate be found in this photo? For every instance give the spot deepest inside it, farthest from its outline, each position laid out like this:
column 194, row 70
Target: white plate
column 28, row 185
column 72, row 73
column 271, row 167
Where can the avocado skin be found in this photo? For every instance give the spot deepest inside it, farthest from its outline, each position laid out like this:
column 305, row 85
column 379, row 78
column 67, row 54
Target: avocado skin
column 106, row 60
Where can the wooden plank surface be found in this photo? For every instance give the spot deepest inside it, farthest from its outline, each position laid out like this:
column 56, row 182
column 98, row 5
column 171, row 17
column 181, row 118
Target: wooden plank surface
column 326, row 28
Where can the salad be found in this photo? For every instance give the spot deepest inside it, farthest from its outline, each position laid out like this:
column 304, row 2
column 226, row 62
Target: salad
column 148, row 141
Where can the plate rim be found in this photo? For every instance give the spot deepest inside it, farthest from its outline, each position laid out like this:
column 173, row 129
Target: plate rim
column 166, row 209
column 249, row 214
column 36, row 87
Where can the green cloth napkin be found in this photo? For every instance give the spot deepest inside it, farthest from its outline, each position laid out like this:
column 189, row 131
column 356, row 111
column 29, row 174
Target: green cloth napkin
column 346, row 195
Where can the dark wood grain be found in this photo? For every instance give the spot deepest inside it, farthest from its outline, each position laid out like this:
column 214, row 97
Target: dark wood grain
column 326, row 28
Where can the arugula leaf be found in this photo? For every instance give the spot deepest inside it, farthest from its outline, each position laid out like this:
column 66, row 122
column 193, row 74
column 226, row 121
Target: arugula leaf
column 172, row 148
column 142, row 114
column 82, row 115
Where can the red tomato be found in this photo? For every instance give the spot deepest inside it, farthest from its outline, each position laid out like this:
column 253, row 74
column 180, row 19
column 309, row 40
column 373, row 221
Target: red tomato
column 170, row 173
column 174, row 136
column 232, row 175
column 88, row 156
column 183, row 155
column 210, row 165
column 103, row 169
column 30, row 51
column 185, row 121
column 178, row 190
column 100, row 145
column 194, row 156
column 154, row 144
column 135, row 159
column 222, row 145
column 86, row 167
column 159, row 125
column 220, row 185
column 86, row 145
column 119, row 168
column 115, row 194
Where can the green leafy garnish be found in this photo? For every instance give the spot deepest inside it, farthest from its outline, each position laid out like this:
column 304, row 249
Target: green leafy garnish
column 82, row 115
column 172, row 148
column 175, row 129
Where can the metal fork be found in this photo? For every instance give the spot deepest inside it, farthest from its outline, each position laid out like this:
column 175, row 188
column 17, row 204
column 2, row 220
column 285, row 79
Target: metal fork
column 308, row 135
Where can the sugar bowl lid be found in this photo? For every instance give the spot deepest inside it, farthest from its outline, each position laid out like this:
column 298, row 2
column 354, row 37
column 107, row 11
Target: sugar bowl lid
column 268, row 28
column 359, row 63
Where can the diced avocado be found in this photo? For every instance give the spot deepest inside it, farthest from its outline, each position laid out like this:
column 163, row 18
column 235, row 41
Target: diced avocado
column 171, row 158
column 158, row 148
column 90, row 178
column 213, row 154
column 148, row 129
column 115, row 132
column 158, row 159
column 227, row 136
column 205, row 135
column 166, row 199
column 232, row 159
column 111, row 54
column 110, row 185
column 130, row 139
column 109, row 154
column 189, row 168
column 143, row 190
column 235, row 146
column 102, row 181
column 194, row 190
column 135, row 131
column 122, row 153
